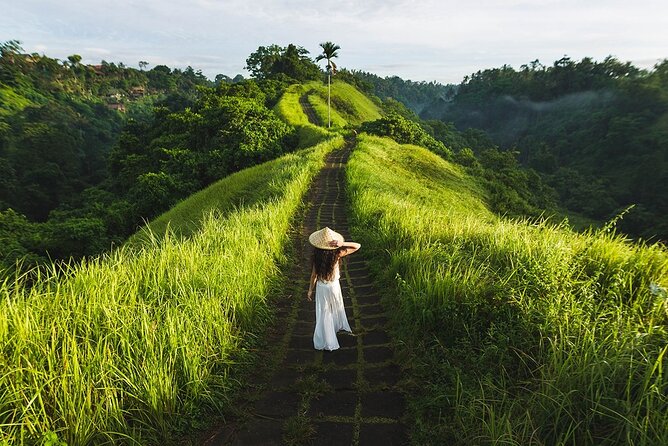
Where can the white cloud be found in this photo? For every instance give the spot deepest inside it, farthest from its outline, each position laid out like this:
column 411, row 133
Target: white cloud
column 428, row 39
column 97, row 51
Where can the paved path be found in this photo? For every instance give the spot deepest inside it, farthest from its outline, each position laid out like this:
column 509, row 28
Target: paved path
column 308, row 110
column 344, row 397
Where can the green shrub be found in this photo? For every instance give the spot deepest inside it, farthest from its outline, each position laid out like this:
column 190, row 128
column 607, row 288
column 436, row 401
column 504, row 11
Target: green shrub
column 405, row 131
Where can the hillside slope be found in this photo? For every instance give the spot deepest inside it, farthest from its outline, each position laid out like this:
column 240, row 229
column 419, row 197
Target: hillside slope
column 350, row 107
column 141, row 342
column 594, row 130
column 250, row 187
column 516, row 331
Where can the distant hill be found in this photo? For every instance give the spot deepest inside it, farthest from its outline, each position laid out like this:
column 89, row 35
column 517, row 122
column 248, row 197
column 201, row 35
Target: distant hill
column 90, row 152
column 417, row 96
column 596, row 131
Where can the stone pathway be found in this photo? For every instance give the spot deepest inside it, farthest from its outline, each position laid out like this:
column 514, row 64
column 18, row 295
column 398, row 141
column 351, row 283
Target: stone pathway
column 344, row 397
column 308, row 110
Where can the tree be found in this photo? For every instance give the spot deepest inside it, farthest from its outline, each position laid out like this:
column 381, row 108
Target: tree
column 260, row 62
column 405, row 131
column 294, row 62
column 222, row 79
column 74, row 59
column 142, row 65
column 275, row 62
column 10, row 62
column 329, row 51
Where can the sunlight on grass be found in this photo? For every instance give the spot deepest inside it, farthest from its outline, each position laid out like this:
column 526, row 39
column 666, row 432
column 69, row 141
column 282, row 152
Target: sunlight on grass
column 290, row 110
column 138, row 344
column 520, row 332
column 320, row 107
column 349, row 105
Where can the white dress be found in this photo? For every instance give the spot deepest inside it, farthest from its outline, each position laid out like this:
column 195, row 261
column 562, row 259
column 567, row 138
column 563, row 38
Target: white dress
column 330, row 314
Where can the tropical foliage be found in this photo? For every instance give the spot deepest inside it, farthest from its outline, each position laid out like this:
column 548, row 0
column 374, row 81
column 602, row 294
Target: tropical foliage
column 515, row 330
column 329, row 51
column 227, row 128
column 405, row 131
column 415, row 95
column 276, row 62
column 59, row 121
column 78, row 176
column 596, row 131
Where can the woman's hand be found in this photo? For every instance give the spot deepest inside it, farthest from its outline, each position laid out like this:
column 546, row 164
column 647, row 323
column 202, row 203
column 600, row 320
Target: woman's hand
column 309, row 296
column 336, row 243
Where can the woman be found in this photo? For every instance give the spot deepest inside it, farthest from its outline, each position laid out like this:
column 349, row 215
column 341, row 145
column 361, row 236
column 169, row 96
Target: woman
column 330, row 314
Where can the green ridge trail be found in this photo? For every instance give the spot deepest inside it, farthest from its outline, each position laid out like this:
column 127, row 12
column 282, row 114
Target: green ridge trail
column 308, row 109
column 304, row 396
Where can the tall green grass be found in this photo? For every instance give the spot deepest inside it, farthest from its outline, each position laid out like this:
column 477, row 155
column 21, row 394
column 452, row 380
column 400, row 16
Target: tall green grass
column 133, row 347
column 520, row 332
column 350, row 107
column 319, row 105
column 290, row 110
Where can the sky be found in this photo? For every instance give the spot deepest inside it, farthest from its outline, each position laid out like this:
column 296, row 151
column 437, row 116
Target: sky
column 426, row 40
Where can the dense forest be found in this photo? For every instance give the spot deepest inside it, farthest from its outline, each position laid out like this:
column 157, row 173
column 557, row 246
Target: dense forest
column 415, row 95
column 597, row 132
column 89, row 153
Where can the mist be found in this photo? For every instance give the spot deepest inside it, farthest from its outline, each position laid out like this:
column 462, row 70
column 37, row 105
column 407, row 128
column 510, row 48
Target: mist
column 569, row 101
column 508, row 118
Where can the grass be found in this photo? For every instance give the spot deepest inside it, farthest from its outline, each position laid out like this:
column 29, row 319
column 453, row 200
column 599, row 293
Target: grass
column 319, row 105
column 10, row 101
column 290, row 110
column 242, row 189
column 288, row 107
column 350, row 107
column 298, row 430
column 135, row 346
column 519, row 332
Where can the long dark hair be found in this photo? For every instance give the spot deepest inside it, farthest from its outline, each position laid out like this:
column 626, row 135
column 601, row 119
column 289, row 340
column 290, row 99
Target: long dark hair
column 324, row 261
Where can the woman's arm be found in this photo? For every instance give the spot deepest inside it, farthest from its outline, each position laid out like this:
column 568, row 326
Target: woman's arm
column 311, row 284
column 348, row 247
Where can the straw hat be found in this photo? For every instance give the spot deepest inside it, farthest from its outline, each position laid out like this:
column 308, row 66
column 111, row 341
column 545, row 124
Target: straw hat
column 320, row 239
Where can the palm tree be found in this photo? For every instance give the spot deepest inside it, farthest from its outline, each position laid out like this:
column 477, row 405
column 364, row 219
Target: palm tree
column 329, row 52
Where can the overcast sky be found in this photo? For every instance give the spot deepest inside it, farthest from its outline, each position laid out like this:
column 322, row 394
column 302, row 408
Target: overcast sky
column 418, row 40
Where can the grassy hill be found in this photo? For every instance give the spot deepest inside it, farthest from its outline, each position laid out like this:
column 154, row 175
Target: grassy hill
column 518, row 332
column 350, row 107
column 139, row 343
column 290, row 110
column 250, row 187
